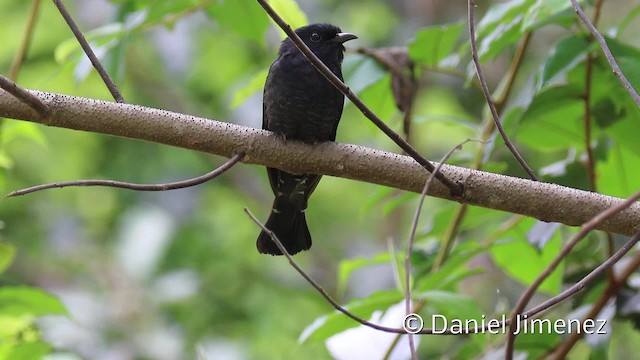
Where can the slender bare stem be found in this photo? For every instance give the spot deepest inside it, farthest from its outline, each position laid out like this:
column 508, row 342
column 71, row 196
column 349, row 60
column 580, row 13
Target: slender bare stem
column 113, row 89
column 133, row 186
column 487, row 94
column 25, row 96
column 18, row 60
column 607, row 53
column 584, row 230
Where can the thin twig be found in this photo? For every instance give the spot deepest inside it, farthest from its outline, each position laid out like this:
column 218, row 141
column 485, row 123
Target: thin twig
column 504, row 94
column 133, row 186
column 87, row 50
column 487, row 94
column 455, row 188
column 501, row 324
column 563, row 349
column 584, row 230
column 412, row 236
column 25, row 96
column 315, row 284
column 580, row 285
column 26, row 40
column 607, row 53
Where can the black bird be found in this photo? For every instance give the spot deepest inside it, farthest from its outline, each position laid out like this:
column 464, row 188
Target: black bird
column 300, row 104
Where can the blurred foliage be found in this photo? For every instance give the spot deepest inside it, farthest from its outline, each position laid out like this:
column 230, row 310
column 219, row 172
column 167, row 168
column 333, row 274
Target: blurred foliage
column 107, row 273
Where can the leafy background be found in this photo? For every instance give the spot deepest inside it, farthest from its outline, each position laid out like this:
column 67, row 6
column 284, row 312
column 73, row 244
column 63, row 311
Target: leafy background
column 110, row 274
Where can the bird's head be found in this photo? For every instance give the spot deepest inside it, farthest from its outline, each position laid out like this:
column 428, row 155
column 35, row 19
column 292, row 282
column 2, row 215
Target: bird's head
column 325, row 40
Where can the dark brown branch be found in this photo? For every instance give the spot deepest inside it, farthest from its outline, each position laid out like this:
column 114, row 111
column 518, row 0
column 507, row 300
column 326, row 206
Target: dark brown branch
column 133, row 186
column 87, row 50
column 547, row 202
column 487, row 94
column 455, row 188
column 25, row 97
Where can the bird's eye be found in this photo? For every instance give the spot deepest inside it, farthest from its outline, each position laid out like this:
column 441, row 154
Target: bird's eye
column 315, row 37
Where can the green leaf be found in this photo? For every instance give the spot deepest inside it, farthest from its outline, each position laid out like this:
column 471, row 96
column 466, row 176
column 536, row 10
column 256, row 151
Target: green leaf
column 7, row 253
column 552, row 120
column 379, row 98
column 528, row 262
column 502, row 13
column 24, row 350
column 361, row 72
column 500, row 27
column 453, row 270
column 545, row 12
column 433, row 44
column 348, row 266
column 504, row 35
column 102, row 41
column 328, row 325
column 628, row 58
column 6, row 162
column 256, row 83
column 27, row 301
column 244, row 17
column 290, row 12
column 21, row 130
column 567, row 53
column 628, row 19
column 97, row 37
column 617, row 175
column 450, row 304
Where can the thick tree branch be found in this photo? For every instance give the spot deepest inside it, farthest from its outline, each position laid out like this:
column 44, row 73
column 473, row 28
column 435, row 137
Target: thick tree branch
column 543, row 201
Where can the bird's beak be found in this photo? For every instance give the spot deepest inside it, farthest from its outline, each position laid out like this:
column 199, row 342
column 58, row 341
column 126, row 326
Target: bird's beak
column 344, row 37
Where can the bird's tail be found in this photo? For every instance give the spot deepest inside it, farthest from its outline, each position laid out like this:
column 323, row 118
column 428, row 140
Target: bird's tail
column 289, row 224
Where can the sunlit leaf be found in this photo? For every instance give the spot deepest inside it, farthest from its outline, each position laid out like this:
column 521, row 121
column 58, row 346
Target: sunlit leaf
column 289, row 11
column 504, row 35
column 502, row 13
column 21, row 130
column 545, row 12
column 500, row 27
column 97, row 37
column 25, row 350
column 7, row 253
column 22, row 300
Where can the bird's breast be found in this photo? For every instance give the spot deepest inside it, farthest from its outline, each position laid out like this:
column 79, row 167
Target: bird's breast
column 300, row 103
